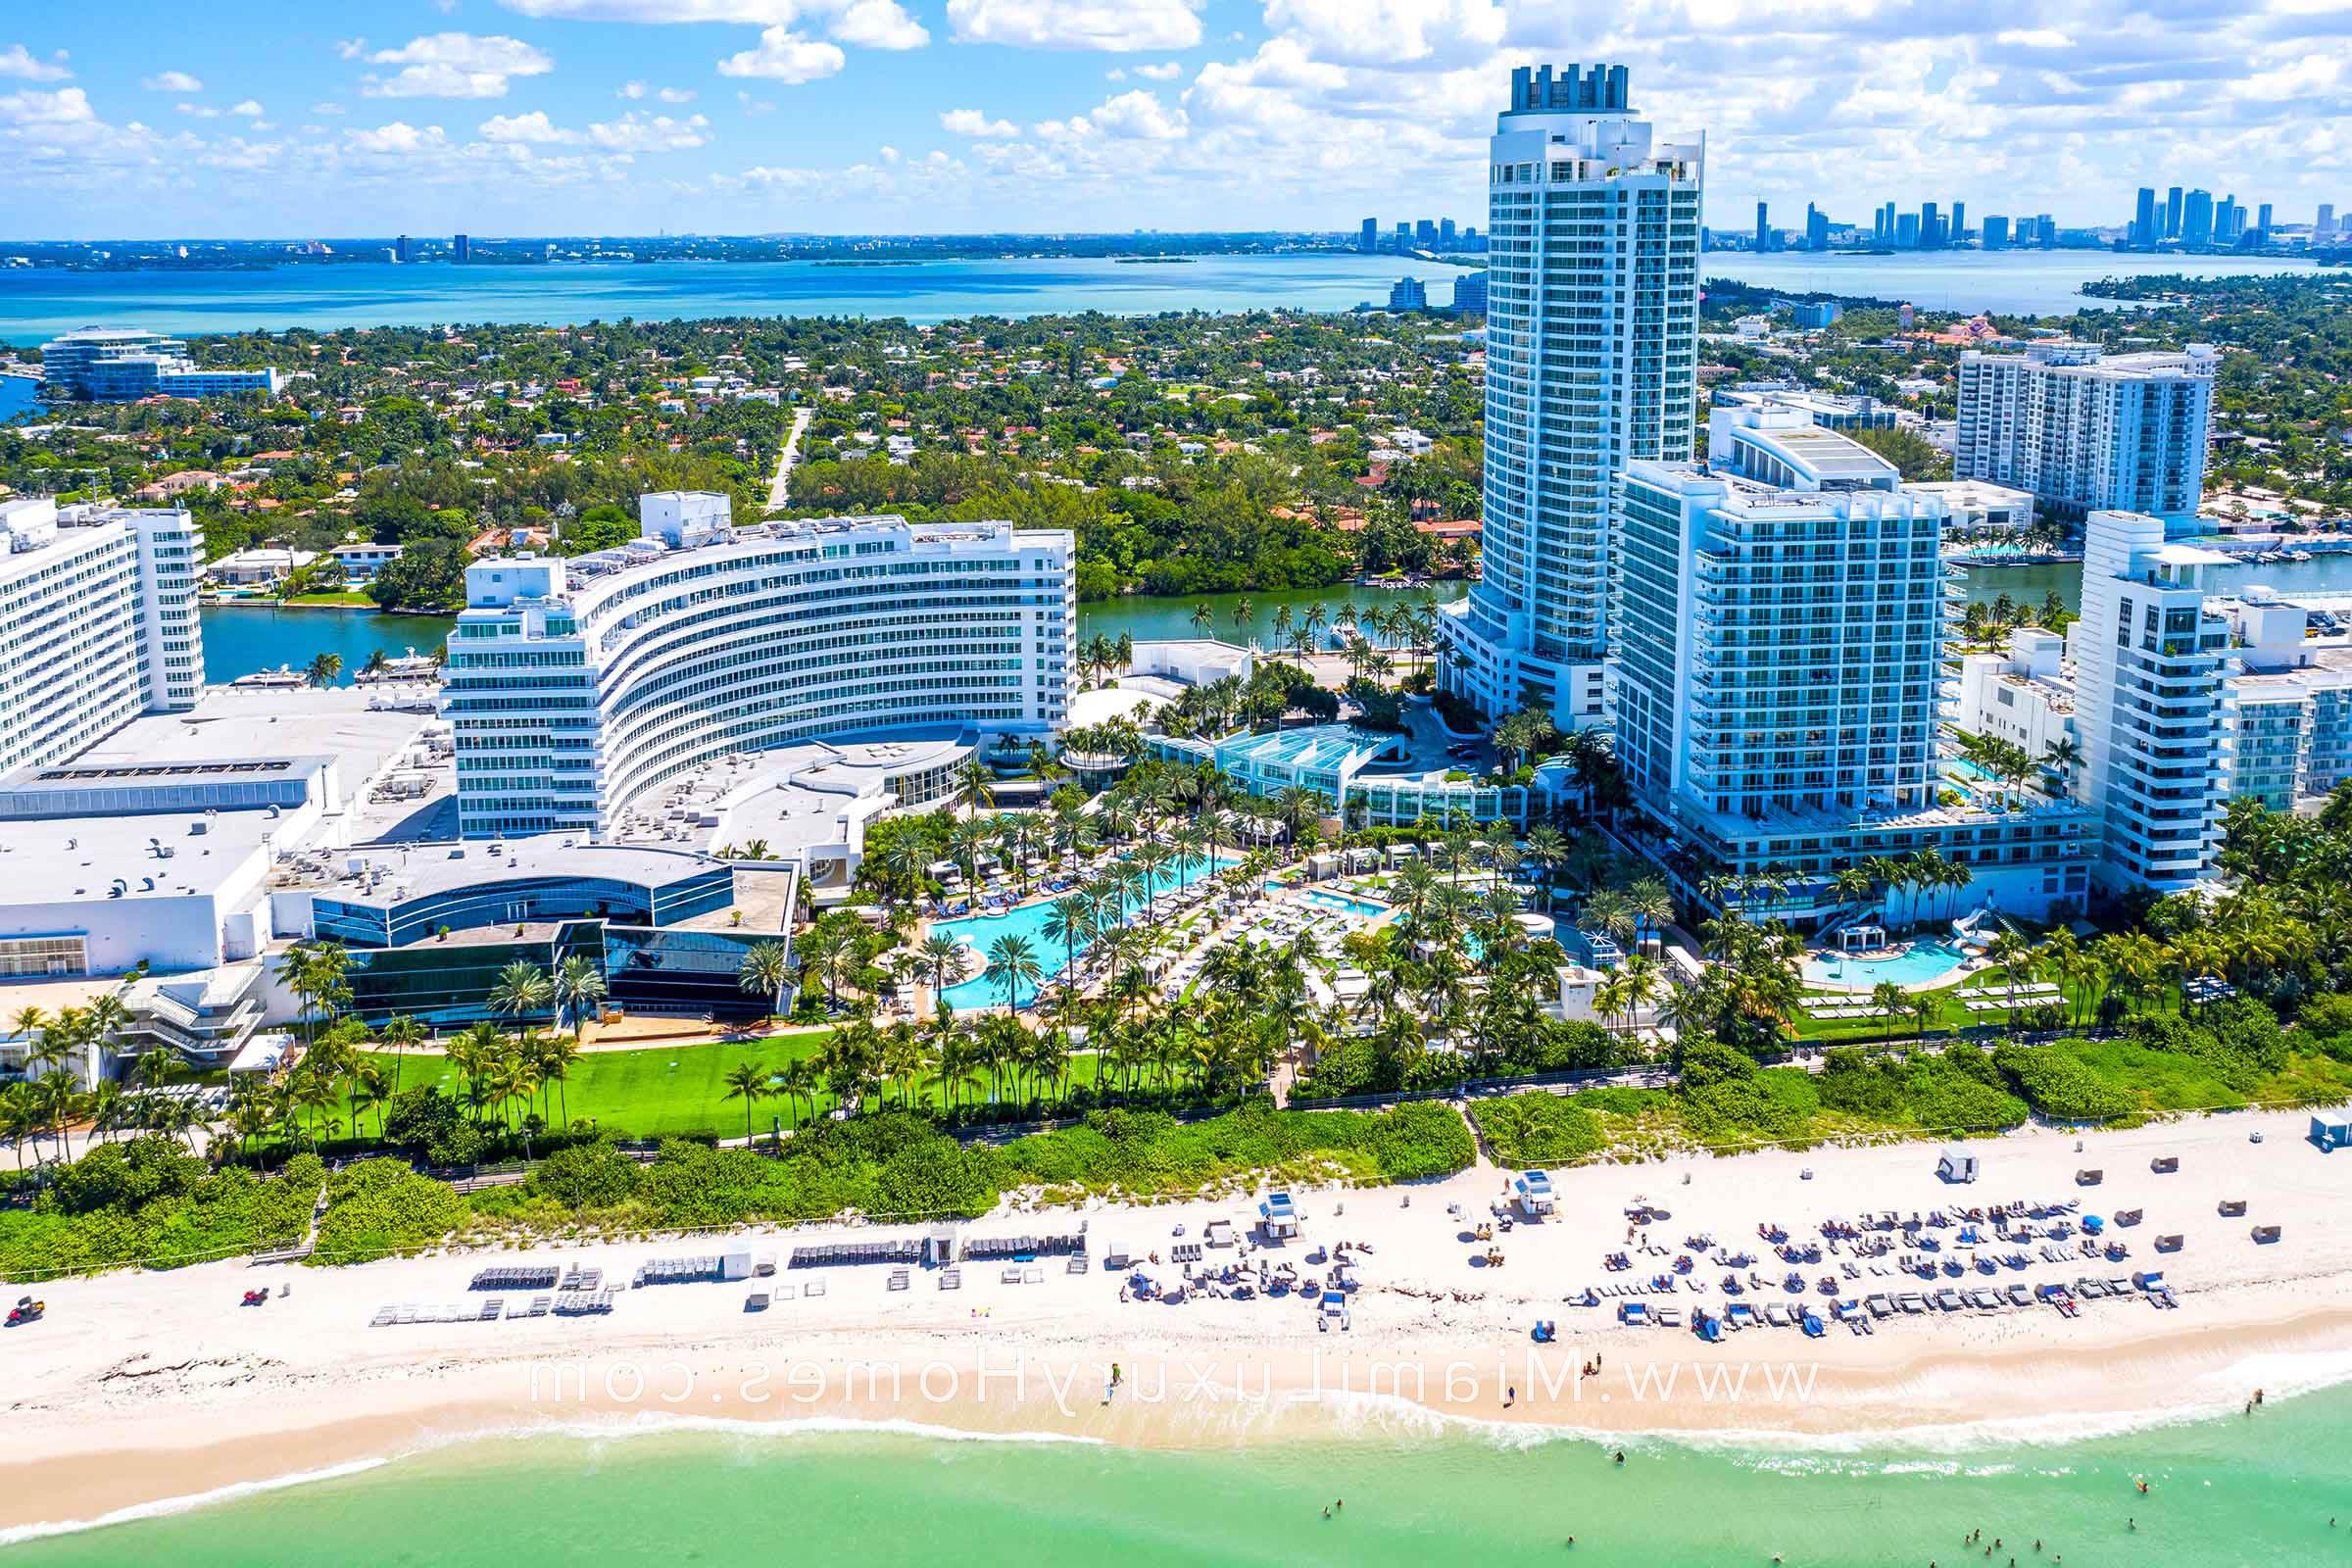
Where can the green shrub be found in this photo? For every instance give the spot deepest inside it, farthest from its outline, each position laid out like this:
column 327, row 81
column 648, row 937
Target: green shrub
column 1538, row 1129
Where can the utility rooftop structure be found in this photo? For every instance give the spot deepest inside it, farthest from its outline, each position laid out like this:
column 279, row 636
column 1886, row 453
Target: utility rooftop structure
column 576, row 687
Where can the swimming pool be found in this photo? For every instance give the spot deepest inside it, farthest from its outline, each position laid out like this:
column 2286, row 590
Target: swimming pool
column 981, row 932
column 1345, row 904
column 1921, row 964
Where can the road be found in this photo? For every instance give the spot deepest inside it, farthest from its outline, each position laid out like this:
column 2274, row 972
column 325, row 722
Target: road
column 776, row 492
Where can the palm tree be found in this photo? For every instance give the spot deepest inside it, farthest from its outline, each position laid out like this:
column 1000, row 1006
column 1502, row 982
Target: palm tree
column 322, row 670
column 801, row 1080
column 578, row 985
column 945, row 961
column 1067, row 922
column 1012, row 963
column 766, row 970
column 747, row 1081
column 1203, row 618
column 400, row 1034
column 974, row 787
column 520, row 990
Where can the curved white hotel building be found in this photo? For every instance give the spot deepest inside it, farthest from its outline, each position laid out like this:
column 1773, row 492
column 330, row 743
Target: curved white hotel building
column 578, row 686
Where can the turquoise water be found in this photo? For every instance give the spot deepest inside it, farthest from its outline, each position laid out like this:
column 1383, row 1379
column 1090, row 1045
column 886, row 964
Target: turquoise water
column 240, row 639
column 982, row 931
column 38, row 303
column 17, row 397
column 1922, row 963
column 2243, row 1491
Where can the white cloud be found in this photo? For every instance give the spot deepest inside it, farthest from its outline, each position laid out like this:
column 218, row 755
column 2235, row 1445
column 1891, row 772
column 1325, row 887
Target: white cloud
column 760, row 13
column 18, row 61
column 1167, row 71
column 1138, row 116
column 976, row 125
column 68, row 106
column 668, row 95
column 350, row 48
column 1118, row 26
column 1391, row 32
column 249, row 108
column 630, row 133
column 534, row 127
column 867, row 23
column 456, row 65
column 2034, row 38
column 197, row 111
column 399, row 138
column 753, row 106
column 785, row 56
column 326, row 109
column 879, row 24
column 631, row 89
column 172, row 82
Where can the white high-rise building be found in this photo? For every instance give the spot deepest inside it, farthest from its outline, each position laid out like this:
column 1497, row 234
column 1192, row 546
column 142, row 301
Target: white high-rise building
column 2087, row 431
column 575, row 688
column 98, row 623
column 1592, row 322
column 1776, row 671
column 2152, row 669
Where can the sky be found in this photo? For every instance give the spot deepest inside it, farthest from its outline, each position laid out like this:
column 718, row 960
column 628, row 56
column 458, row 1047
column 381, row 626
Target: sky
column 287, row 119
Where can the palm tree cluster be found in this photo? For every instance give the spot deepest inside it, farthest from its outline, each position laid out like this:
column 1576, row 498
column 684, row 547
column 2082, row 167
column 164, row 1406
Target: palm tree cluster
column 2015, row 767
column 1982, row 627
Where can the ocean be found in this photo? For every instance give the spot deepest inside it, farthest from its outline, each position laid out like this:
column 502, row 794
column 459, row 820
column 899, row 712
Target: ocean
column 2256, row 1490
column 37, row 303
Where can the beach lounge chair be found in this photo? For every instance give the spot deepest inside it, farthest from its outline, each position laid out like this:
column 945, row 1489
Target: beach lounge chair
column 1010, row 1276
column 2266, row 1234
column 2234, row 1207
column 898, row 1279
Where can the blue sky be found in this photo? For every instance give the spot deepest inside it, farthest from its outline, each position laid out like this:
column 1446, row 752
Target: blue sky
column 273, row 118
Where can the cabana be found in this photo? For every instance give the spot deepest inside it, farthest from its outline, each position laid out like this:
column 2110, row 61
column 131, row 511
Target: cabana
column 1956, row 1166
column 2331, row 1132
column 1279, row 1217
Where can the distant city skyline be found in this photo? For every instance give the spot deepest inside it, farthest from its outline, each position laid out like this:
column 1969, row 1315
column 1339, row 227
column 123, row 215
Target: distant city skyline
column 732, row 116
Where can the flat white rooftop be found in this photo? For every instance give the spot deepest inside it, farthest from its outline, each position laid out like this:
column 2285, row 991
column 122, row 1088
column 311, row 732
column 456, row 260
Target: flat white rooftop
column 57, row 860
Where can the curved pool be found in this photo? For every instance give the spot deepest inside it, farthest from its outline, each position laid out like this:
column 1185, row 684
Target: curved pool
column 1922, row 963
column 980, row 932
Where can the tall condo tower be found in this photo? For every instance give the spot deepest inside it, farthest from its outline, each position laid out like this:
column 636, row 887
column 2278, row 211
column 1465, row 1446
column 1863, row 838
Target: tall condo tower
column 1591, row 319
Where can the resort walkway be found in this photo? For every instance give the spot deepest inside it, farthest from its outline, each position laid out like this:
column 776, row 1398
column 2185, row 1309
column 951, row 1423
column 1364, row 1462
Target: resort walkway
column 776, row 492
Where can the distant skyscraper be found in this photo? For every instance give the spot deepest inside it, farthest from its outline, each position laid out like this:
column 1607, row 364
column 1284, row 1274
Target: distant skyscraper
column 1906, row 231
column 1959, row 230
column 2262, row 223
column 2143, row 218
column 463, row 250
column 1996, row 232
column 1369, row 240
column 2172, row 213
column 1405, row 236
column 1407, row 294
column 1446, row 233
column 2197, row 218
column 1931, row 226
column 1573, row 393
column 1425, row 233
column 1763, row 228
column 2324, row 227
column 1470, row 295
column 400, row 249
column 1817, row 228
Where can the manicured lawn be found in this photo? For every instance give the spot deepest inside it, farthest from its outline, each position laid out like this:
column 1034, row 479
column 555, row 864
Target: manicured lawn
column 665, row 1091
column 653, row 1093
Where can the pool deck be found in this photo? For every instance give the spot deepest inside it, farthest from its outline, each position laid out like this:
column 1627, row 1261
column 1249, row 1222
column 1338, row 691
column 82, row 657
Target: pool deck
column 1969, row 965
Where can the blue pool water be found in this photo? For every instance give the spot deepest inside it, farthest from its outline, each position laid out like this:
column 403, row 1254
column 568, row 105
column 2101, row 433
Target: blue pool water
column 1345, row 903
column 1922, row 963
column 981, row 931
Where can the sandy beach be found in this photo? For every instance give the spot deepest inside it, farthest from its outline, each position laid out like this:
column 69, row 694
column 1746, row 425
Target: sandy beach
column 143, row 1386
